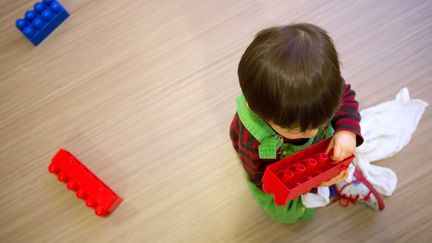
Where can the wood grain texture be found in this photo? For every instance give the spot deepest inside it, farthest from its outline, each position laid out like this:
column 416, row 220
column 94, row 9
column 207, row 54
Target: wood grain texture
column 143, row 93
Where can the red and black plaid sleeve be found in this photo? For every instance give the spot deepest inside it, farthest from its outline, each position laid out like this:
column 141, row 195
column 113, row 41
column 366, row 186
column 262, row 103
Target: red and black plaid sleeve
column 348, row 117
column 247, row 148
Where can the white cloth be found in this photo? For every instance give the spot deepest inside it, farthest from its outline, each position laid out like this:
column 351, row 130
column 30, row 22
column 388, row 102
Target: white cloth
column 386, row 129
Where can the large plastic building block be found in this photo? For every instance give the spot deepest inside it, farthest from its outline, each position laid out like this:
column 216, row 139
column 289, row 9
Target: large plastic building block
column 38, row 23
column 87, row 186
column 297, row 174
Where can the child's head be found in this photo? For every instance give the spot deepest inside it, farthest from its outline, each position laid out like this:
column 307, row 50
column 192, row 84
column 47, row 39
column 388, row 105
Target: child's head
column 290, row 78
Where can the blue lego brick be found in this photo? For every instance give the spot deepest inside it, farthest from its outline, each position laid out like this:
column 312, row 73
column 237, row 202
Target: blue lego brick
column 38, row 23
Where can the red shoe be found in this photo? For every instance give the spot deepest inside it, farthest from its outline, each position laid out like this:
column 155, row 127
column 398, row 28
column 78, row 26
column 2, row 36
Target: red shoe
column 360, row 190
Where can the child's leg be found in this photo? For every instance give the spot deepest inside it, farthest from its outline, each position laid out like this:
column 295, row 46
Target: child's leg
column 359, row 189
column 292, row 212
column 333, row 191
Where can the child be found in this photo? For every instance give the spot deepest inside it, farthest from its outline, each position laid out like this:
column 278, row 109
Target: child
column 293, row 97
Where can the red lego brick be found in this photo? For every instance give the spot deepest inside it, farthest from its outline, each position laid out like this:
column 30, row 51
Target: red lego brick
column 87, row 185
column 297, row 174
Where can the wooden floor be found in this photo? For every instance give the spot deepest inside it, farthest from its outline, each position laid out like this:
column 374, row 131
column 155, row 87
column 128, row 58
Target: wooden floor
column 143, row 93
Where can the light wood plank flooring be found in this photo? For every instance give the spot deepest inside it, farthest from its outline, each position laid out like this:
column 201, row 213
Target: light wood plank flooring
column 143, row 93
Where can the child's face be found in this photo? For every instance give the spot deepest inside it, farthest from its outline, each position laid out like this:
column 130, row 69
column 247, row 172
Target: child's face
column 293, row 133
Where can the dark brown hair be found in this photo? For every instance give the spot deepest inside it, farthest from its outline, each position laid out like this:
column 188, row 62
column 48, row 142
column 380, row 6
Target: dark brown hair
column 290, row 76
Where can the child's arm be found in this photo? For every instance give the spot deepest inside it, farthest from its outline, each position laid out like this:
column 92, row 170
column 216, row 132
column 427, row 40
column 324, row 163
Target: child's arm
column 247, row 148
column 347, row 126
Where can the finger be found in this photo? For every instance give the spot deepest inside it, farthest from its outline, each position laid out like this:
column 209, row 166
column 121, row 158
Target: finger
column 340, row 176
column 337, row 153
column 348, row 153
column 327, row 183
column 333, row 180
column 330, row 146
column 343, row 155
column 344, row 175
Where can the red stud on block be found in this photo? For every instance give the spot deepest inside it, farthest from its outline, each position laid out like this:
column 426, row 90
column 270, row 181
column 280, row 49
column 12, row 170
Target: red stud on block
column 88, row 186
column 297, row 174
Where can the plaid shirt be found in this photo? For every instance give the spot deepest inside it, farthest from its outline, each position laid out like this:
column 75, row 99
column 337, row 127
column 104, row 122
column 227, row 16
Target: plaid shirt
column 346, row 118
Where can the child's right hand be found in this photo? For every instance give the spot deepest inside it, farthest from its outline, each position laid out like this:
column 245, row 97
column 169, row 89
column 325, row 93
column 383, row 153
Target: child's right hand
column 343, row 144
column 340, row 177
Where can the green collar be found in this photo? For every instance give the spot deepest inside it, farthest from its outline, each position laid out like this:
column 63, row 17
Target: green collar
column 269, row 140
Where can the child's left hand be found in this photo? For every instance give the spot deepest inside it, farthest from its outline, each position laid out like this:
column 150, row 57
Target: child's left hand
column 343, row 144
column 340, row 177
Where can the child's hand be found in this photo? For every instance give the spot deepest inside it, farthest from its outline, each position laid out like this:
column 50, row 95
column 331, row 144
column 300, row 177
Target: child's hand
column 343, row 144
column 341, row 177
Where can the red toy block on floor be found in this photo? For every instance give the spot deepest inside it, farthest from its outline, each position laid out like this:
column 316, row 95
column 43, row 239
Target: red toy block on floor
column 297, row 174
column 87, row 186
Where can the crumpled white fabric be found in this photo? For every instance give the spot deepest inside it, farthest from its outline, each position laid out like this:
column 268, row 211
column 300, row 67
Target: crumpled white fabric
column 386, row 129
column 322, row 197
